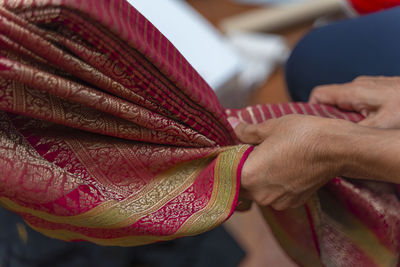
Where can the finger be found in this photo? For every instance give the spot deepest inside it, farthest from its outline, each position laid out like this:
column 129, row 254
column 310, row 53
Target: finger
column 247, row 133
column 282, row 203
column 295, row 200
column 265, row 197
column 233, row 121
column 375, row 119
column 329, row 94
column 370, row 121
column 365, row 112
column 357, row 96
column 381, row 119
column 341, row 95
column 239, row 128
column 365, row 78
column 253, row 133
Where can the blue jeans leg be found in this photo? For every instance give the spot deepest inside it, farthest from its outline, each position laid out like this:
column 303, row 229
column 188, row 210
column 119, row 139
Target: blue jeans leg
column 339, row 52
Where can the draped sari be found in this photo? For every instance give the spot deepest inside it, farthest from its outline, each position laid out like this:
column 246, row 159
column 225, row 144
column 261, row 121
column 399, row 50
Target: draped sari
column 108, row 135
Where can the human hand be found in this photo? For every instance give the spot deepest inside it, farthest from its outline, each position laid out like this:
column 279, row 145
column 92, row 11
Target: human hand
column 377, row 98
column 296, row 155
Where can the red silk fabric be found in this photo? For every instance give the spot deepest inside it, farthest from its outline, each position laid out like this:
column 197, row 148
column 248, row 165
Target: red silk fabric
column 109, row 135
column 115, row 139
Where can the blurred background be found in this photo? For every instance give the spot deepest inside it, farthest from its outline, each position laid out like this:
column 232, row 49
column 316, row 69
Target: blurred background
column 239, row 46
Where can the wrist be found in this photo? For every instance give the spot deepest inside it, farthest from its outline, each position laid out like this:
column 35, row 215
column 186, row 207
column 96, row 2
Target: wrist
column 333, row 145
column 373, row 154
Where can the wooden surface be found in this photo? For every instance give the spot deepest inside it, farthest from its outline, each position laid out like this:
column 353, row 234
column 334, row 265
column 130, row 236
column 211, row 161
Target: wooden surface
column 216, row 10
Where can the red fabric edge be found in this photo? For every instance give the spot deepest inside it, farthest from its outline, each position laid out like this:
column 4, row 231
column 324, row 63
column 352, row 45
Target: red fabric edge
column 238, row 179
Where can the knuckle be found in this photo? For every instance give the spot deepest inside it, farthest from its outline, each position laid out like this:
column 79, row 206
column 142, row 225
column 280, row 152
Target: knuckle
column 262, row 200
column 245, row 133
column 248, row 181
column 264, row 203
column 355, row 90
column 318, row 88
column 240, row 131
column 254, row 133
column 279, row 206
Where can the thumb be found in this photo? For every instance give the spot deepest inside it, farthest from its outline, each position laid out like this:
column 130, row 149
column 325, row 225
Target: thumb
column 380, row 119
column 250, row 133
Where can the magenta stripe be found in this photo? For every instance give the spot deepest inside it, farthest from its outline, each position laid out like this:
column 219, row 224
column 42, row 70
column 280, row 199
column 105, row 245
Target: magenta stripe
column 286, row 108
column 238, row 179
column 276, row 110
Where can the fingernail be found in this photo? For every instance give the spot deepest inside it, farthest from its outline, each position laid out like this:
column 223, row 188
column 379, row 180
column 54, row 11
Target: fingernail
column 233, row 122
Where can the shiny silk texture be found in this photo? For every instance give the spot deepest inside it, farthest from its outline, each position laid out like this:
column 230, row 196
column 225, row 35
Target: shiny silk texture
column 109, row 135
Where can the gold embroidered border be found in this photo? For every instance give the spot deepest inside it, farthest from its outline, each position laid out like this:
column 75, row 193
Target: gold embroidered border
column 112, row 213
column 131, row 217
column 216, row 211
column 224, row 192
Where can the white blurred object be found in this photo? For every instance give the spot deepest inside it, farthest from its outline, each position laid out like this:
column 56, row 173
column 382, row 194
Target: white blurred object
column 260, row 52
column 230, row 65
column 198, row 41
column 275, row 18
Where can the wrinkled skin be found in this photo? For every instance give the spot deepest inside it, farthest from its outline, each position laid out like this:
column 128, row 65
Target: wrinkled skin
column 377, row 98
column 297, row 154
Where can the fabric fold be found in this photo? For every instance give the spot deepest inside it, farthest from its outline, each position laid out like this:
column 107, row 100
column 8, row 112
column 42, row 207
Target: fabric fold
column 108, row 135
column 109, row 146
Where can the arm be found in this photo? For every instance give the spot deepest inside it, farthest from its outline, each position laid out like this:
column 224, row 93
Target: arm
column 298, row 154
column 372, row 154
column 378, row 99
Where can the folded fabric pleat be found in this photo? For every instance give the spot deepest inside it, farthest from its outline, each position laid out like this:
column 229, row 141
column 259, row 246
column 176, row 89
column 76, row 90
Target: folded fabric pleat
column 101, row 138
column 107, row 134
